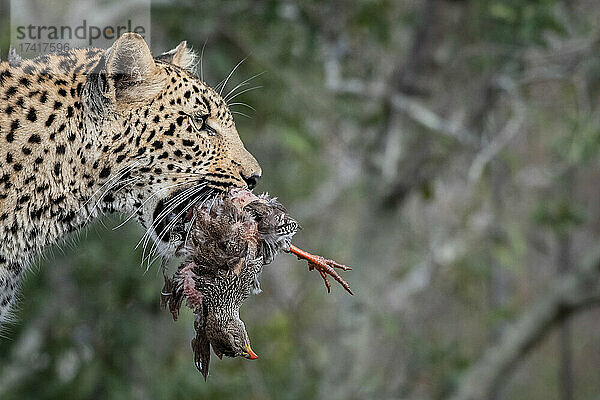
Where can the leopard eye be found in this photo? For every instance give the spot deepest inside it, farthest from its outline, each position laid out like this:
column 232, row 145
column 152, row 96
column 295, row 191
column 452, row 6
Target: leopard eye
column 199, row 123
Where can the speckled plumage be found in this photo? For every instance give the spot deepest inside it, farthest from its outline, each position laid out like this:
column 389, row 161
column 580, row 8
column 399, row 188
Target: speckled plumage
column 275, row 226
column 228, row 243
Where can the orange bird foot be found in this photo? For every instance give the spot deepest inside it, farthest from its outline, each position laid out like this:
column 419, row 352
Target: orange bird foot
column 325, row 267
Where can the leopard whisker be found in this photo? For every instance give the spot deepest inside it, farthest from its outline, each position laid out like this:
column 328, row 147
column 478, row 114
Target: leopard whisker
column 114, row 177
column 179, row 196
column 187, row 236
column 154, row 224
column 120, row 172
column 147, row 234
column 154, row 194
column 185, row 196
column 202, row 197
column 242, row 114
column 244, row 91
column 151, row 227
column 198, row 197
column 126, row 183
column 241, row 84
column 231, row 73
column 242, row 104
column 201, row 58
column 108, row 189
column 194, row 198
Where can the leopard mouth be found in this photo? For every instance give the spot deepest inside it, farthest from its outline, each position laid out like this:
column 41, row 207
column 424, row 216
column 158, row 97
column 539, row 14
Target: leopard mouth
column 172, row 215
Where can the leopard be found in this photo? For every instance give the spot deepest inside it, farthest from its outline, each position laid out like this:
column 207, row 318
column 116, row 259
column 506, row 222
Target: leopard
column 89, row 132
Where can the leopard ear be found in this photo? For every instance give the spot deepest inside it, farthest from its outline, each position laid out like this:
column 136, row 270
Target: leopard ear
column 130, row 69
column 181, row 56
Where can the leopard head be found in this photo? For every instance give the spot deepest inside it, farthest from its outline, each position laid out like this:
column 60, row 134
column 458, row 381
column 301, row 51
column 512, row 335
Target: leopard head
column 167, row 137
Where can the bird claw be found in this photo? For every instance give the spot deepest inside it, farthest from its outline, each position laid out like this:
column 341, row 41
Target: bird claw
column 325, row 267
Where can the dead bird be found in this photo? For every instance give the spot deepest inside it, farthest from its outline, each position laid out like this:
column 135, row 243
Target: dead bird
column 218, row 275
column 215, row 296
column 220, row 235
column 216, row 301
column 276, row 229
column 227, row 244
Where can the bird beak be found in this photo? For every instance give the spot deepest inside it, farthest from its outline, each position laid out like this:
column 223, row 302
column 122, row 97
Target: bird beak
column 250, row 354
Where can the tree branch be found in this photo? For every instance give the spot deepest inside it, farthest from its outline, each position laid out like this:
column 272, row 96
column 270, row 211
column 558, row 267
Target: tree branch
column 400, row 102
column 567, row 296
column 503, row 138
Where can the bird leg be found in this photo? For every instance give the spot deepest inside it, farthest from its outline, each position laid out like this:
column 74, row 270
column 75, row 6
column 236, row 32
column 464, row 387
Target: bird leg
column 324, row 266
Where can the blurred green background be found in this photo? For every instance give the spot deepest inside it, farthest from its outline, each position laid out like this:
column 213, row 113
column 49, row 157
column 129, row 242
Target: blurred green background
column 448, row 150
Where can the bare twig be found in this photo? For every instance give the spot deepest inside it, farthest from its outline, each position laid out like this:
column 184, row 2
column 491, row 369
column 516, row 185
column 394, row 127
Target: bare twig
column 432, row 121
column 407, row 105
column 503, row 138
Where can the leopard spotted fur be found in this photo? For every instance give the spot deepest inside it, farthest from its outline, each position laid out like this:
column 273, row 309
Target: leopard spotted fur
column 93, row 131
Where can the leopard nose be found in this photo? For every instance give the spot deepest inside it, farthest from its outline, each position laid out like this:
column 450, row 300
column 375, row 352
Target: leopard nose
column 251, row 180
